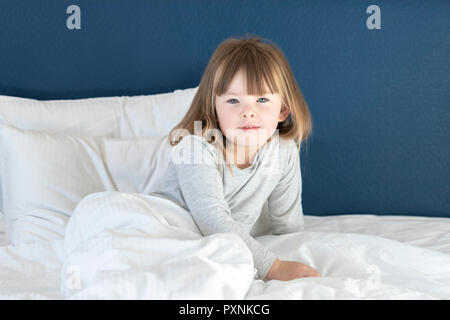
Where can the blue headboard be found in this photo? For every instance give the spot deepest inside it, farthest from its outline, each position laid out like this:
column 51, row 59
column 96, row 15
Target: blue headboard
column 376, row 79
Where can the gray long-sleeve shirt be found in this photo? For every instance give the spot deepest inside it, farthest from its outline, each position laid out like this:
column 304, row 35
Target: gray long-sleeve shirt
column 199, row 180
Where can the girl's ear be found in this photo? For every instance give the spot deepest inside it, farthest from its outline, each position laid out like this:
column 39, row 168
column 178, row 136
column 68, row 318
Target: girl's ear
column 284, row 113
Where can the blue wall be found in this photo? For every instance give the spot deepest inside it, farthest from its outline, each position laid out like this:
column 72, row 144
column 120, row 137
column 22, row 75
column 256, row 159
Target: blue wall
column 380, row 99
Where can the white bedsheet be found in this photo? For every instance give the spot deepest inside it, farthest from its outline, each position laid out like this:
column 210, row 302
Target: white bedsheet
column 359, row 256
column 3, row 239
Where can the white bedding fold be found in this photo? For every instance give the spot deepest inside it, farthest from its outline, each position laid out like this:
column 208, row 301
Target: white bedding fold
column 356, row 266
column 134, row 246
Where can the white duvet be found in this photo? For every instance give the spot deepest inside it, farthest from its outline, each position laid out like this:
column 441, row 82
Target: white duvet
column 134, row 246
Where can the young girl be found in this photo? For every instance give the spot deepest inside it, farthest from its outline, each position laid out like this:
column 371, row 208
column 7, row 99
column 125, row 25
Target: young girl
column 241, row 140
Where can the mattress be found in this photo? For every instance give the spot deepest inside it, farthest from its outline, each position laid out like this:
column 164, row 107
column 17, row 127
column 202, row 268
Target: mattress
column 33, row 271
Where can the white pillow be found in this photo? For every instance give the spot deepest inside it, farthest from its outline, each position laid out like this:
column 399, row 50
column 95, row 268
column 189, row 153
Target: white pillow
column 113, row 117
column 126, row 117
column 137, row 165
column 44, row 178
column 88, row 117
column 156, row 115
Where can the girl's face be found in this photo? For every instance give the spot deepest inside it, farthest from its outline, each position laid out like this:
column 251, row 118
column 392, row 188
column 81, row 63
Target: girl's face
column 236, row 109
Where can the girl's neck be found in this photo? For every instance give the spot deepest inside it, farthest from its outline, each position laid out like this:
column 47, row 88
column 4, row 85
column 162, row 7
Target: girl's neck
column 241, row 156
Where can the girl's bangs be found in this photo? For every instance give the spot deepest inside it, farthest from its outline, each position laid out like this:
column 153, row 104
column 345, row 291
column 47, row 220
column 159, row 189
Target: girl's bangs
column 260, row 75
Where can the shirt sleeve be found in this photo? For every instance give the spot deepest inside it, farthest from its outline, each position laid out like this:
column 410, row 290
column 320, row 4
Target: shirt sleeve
column 202, row 189
column 285, row 202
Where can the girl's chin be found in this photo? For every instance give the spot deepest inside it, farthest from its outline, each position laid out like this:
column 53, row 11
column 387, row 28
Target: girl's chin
column 247, row 138
column 243, row 141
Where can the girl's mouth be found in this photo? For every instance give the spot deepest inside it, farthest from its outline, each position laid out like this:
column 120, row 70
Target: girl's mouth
column 249, row 128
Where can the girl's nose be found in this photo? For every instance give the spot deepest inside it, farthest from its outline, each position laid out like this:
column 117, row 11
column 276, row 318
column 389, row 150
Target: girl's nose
column 248, row 113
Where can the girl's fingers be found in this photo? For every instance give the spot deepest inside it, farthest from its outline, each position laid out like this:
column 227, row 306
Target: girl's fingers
column 314, row 273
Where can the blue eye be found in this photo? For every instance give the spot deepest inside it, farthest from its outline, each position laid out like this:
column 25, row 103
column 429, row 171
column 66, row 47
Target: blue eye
column 230, row 101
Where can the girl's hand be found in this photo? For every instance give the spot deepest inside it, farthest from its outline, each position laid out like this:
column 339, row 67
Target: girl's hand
column 289, row 270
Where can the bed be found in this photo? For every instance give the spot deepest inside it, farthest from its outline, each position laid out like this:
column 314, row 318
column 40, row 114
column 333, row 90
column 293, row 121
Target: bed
column 33, row 271
column 82, row 151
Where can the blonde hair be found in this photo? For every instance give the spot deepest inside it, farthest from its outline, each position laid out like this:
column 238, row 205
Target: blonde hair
column 263, row 63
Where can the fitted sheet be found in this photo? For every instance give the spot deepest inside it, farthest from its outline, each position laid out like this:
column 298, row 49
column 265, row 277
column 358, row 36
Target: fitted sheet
column 33, row 271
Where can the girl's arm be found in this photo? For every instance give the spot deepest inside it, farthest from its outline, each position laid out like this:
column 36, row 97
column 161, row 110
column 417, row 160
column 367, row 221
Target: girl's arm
column 202, row 189
column 286, row 214
column 285, row 201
